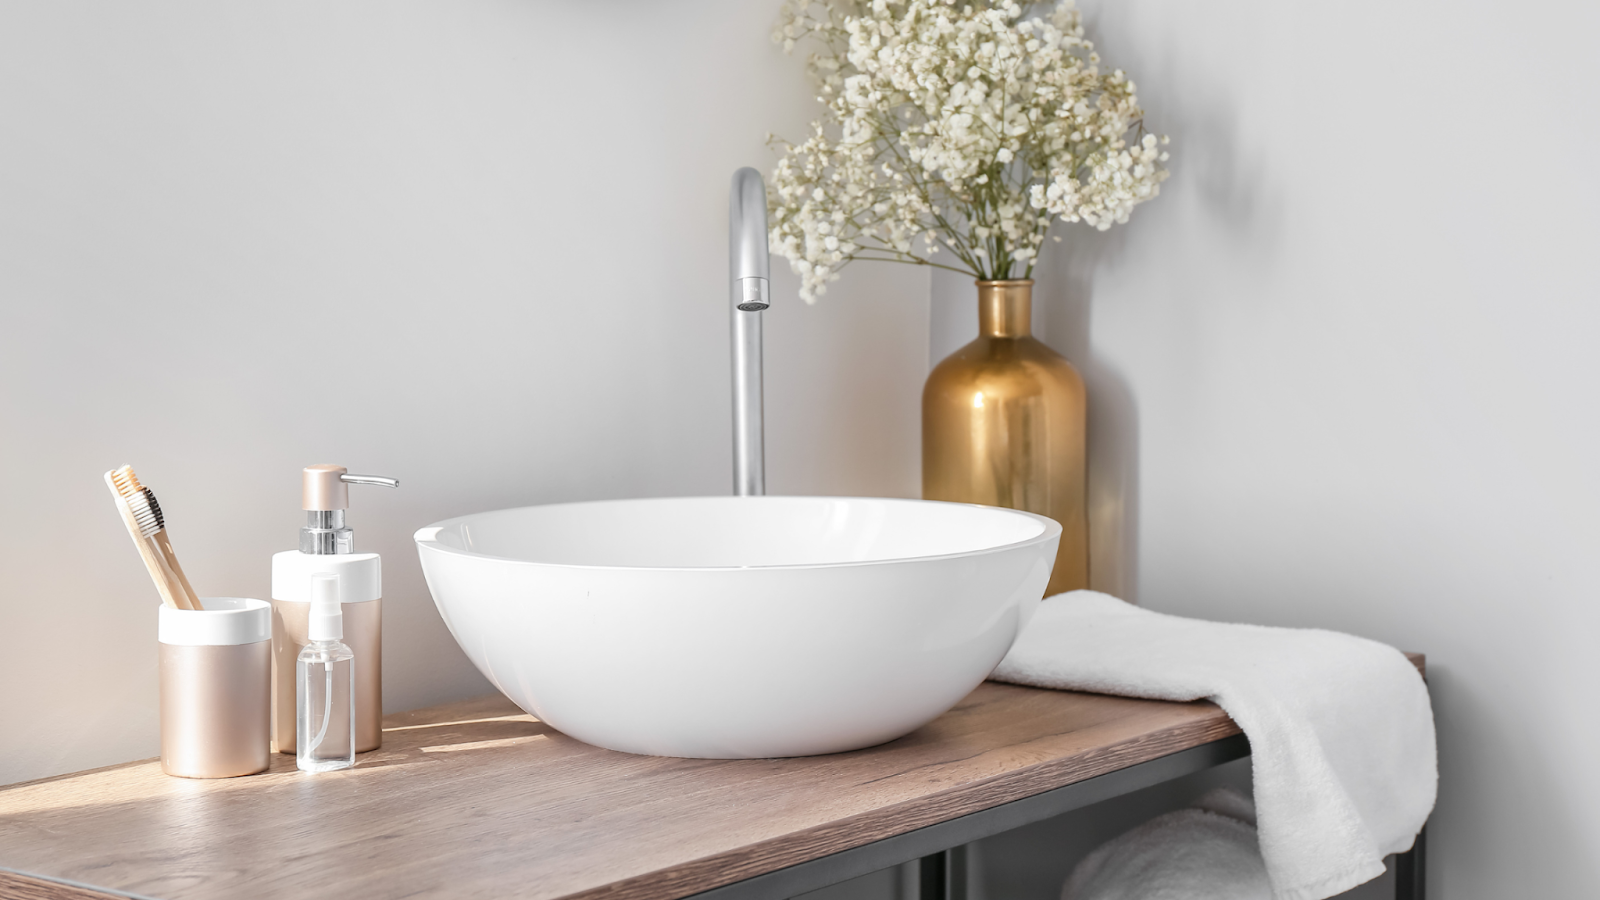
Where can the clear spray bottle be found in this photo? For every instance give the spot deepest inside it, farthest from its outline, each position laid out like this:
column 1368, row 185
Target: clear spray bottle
column 324, row 685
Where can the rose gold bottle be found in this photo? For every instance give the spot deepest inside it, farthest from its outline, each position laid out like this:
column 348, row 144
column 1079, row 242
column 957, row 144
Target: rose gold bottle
column 1003, row 424
column 327, row 546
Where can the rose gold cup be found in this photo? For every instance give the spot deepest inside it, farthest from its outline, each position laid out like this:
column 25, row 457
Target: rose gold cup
column 216, row 688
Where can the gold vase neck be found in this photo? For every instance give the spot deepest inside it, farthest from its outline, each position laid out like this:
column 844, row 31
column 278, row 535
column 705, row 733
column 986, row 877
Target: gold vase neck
column 1005, row 308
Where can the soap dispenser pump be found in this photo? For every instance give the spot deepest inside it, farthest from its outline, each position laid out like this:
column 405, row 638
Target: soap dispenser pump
column 327, row 545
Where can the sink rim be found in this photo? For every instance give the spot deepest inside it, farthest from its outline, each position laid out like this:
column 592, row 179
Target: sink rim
column 425, row 537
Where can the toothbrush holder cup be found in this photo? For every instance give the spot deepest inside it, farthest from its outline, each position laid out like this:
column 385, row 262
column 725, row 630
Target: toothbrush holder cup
column 216, row 688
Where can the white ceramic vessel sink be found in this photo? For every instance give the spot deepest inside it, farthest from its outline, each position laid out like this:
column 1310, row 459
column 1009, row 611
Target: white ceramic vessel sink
column 738, row 627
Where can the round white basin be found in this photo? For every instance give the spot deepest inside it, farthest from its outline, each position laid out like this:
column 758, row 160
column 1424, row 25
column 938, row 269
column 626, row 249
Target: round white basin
column 738, row 627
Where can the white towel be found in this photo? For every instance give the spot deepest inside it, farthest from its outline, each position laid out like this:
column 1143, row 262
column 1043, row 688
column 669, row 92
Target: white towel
column 1340, row 728
column 1207, row 853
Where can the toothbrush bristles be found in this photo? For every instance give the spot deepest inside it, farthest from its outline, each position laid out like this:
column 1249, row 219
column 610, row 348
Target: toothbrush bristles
column 126, row 482
column 141, row 501
column 146, row 512
column 161, row 521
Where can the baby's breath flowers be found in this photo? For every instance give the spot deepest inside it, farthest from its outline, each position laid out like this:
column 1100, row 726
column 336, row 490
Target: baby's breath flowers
column 957, row 127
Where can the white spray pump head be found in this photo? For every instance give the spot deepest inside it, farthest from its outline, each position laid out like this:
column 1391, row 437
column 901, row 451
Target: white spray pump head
column 326, row 621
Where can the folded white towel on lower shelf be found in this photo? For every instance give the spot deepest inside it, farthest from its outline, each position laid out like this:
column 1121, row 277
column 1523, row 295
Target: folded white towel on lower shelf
column 1340, row 728
column 1206, row 853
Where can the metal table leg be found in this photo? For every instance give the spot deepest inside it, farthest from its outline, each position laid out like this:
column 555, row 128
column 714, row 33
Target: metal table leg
column 943, row 875
column 933, row 882
column 1410, row 870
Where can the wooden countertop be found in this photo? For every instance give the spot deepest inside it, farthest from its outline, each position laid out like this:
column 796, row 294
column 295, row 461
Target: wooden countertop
column 477, row 799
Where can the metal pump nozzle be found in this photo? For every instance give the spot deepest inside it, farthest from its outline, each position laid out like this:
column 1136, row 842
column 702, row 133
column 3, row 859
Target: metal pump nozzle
column 324, row 496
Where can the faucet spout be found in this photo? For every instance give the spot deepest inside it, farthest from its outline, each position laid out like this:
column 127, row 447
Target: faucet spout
column 748, row 289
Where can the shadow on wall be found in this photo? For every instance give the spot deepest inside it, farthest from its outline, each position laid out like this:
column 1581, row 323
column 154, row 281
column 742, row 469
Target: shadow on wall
column 1211, row 190
column 1063, row 305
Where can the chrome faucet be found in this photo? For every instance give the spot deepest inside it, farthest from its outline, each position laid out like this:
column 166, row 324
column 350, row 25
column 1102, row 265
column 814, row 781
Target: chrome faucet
column 748, row 288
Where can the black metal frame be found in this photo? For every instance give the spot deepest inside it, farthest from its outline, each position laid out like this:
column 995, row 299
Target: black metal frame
column 941, row 866
column 1410, row 870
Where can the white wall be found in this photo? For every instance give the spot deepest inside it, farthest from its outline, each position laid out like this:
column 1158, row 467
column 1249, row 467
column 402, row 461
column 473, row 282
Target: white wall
column 478, row 246
column 1343, row 371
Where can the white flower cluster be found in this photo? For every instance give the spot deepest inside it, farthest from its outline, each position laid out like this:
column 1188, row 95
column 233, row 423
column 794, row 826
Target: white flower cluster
column 960, row 126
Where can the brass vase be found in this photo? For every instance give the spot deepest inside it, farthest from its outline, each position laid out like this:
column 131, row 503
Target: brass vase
column 1003, row 422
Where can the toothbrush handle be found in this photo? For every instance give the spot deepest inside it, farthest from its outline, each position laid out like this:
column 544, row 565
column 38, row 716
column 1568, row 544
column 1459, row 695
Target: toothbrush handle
column 171, row 559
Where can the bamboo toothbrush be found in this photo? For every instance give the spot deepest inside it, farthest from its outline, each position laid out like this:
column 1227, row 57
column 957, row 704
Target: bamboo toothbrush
column 149, row 529
column 148, row 551
column 152, row 524
column 147, row 512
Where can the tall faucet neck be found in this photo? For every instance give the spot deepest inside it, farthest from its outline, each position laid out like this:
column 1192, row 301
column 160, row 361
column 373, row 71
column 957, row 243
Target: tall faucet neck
column 1005, row 308
column 749, row 291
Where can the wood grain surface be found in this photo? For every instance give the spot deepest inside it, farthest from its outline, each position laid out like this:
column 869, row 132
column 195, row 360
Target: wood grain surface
column 477, row 799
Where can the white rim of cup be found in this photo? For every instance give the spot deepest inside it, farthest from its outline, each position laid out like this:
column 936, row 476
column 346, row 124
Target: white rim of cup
column 225, row 622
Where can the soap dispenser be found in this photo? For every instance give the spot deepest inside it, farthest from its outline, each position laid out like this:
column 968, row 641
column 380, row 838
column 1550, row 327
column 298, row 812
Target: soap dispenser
column 327, row 545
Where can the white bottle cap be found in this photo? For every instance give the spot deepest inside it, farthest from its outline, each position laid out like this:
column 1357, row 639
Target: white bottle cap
column 326, row 622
